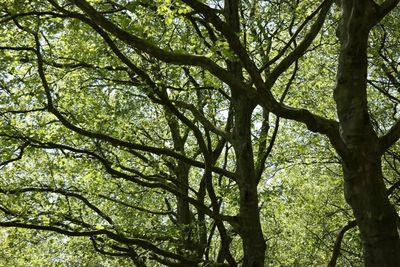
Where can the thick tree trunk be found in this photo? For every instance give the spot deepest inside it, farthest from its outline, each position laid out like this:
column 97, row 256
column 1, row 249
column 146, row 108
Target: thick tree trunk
column 249, row 218
column 376, row 218
column 364, row 186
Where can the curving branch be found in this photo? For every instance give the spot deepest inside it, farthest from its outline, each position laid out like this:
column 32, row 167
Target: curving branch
column 116, row 173
column 108, row 253
column 144, row 244
column 61, row 192
column 338, row 242
column 18, row 157
column 163, row 55
column 114, row 141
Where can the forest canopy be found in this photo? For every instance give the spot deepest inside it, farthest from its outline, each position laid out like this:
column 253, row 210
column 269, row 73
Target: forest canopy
column 199, row 133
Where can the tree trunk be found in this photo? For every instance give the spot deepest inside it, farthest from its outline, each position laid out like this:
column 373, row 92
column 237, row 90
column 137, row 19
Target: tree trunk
column 376, row 218
column 181, row 171
column 249, row 218
column 364, row 187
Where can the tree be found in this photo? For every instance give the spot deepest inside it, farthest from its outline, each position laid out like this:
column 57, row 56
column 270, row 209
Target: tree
column 146, row 125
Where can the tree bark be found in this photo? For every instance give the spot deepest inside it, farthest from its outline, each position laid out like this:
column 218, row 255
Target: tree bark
column 253, row 242
column 250, row 231
column 376, row 218
column 181, row 171
column 364, row 186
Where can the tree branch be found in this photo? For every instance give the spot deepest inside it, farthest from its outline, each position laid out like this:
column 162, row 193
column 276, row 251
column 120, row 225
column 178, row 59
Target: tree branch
column 302, row 47
column 202, row 119
column 145, row 244
column 390, row 138
column 291, row 40
column 165, row 56
column 20, row 154
column 112, row 140
column 385, row 8
column 61, row 192
column 137, row 207
column 116, row 173
column 338, row 243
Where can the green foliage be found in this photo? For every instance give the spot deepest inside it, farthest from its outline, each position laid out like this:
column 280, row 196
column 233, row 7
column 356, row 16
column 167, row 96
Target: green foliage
column 118, row 145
